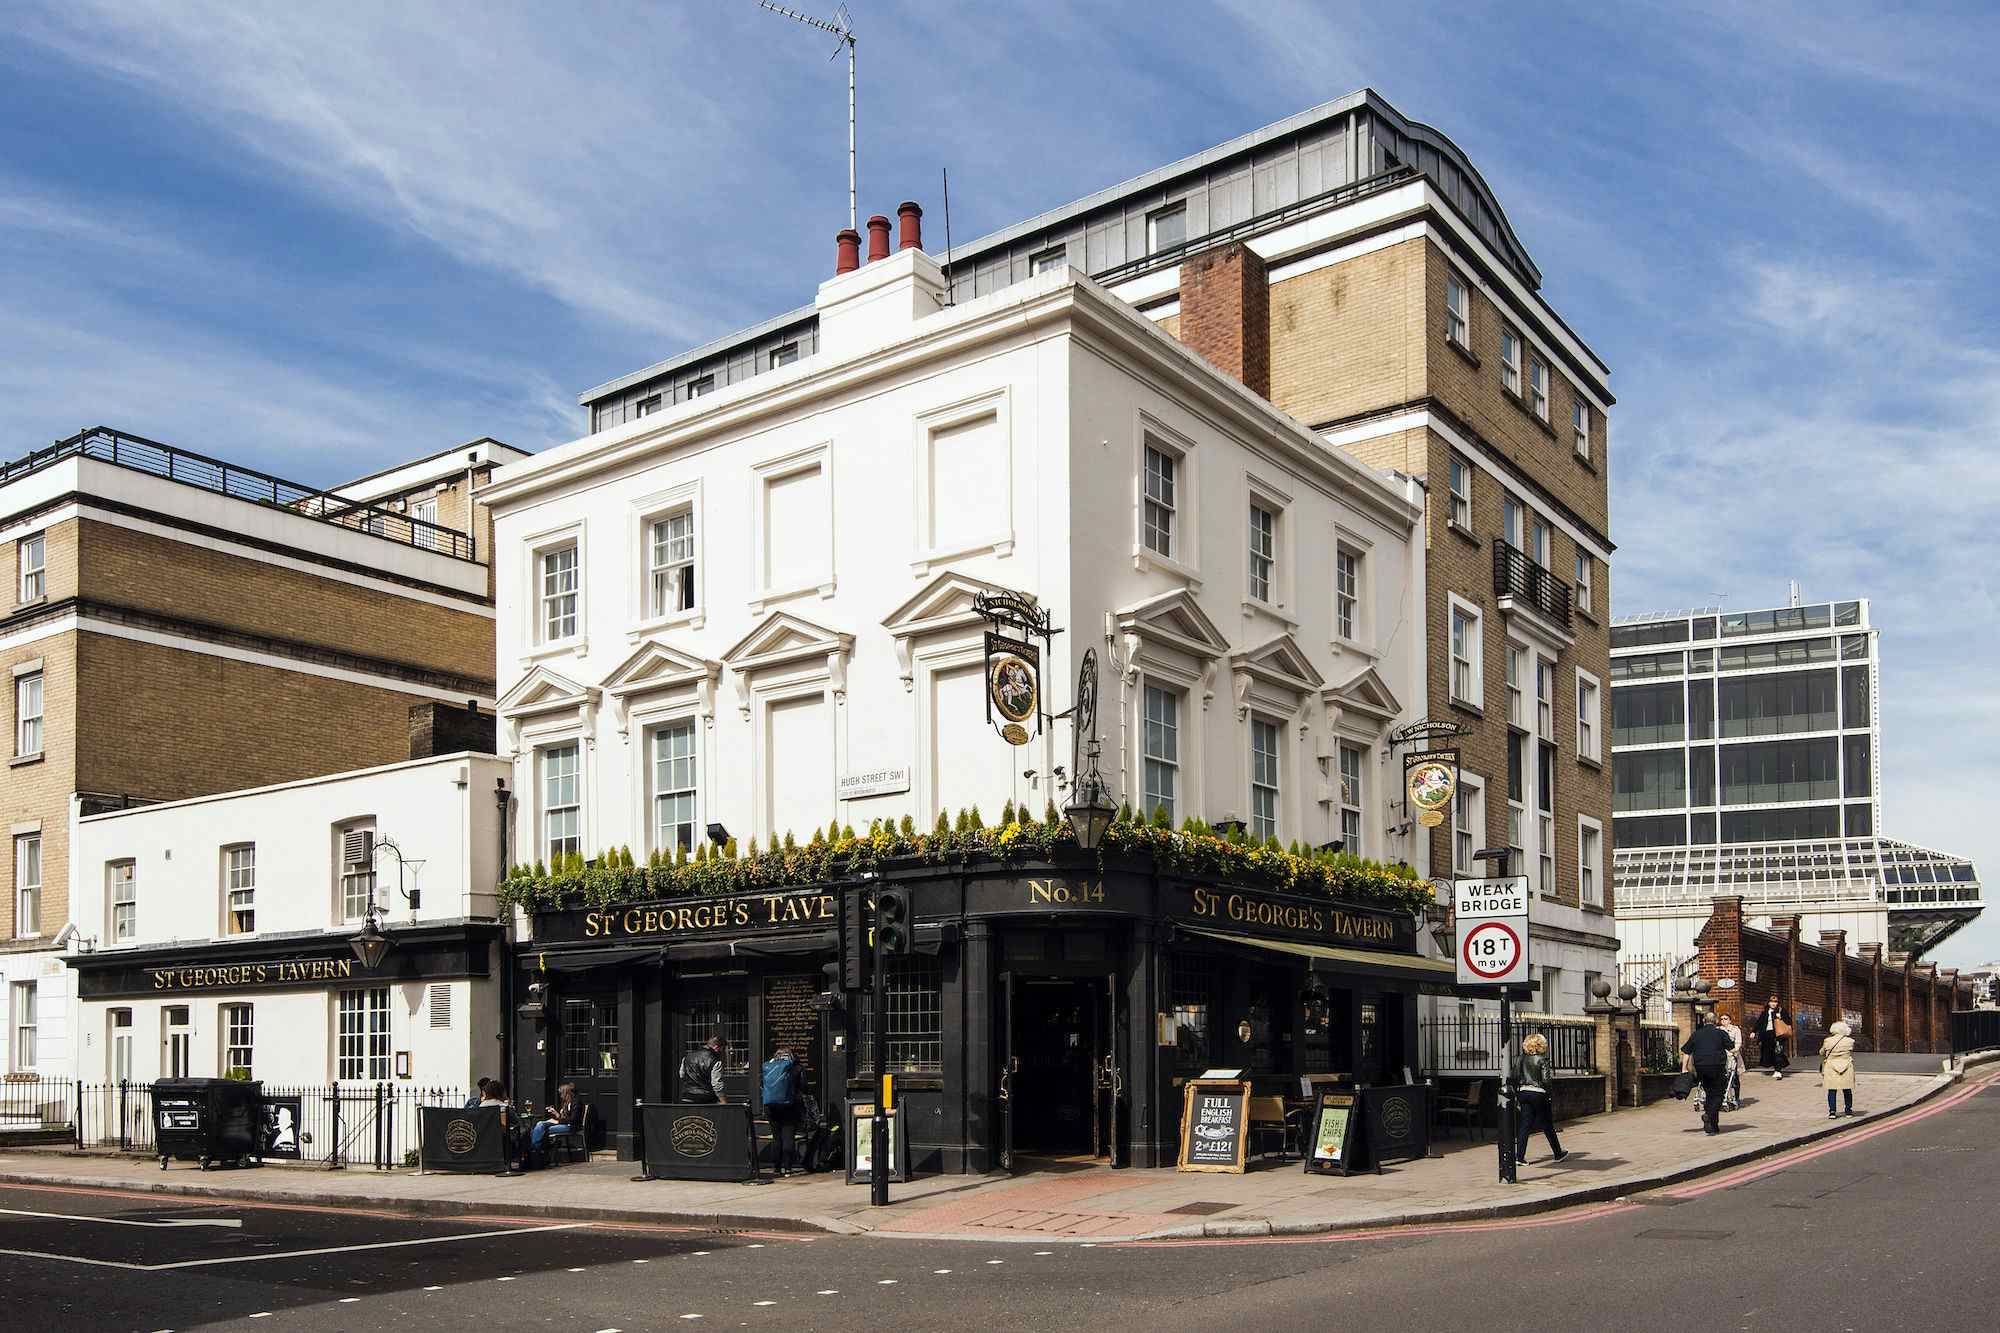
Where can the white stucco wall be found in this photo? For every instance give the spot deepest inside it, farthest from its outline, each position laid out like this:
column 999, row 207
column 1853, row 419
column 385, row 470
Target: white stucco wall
column 439, row 812
column 867, row 658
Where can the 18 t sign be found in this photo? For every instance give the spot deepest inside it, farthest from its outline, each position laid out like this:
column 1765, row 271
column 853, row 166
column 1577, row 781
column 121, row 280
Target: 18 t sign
column 1491, row 950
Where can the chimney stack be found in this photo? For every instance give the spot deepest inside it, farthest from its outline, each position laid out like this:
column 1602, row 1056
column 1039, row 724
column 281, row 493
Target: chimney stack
column 878, row 238
column 848, row 252
column 1226, row 313
column 912, row 219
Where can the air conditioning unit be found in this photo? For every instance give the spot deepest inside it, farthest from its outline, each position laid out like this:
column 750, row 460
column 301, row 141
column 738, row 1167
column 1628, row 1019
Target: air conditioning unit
column 357, row 848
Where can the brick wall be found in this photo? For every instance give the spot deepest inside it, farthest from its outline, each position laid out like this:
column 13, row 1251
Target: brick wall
column 1349, row 338
column 1226, row 313
column 164, row 723
column 38, row 791
column 58, row 565
column 180, row 578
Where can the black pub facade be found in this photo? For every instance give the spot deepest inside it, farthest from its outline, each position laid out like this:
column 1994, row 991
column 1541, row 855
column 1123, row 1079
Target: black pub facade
column 1045, row 1011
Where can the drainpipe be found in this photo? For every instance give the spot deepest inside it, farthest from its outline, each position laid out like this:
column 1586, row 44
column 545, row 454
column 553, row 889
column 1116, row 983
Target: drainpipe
column 502, row 797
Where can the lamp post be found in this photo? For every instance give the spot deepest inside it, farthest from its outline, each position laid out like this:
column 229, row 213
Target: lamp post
column 1090, row 810
column 370, row 944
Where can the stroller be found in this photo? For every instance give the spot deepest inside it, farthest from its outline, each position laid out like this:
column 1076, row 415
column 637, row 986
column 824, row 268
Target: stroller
column 1732, row 1093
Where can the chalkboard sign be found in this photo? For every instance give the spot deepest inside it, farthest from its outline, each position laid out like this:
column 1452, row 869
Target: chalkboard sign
column 1214, row 1125
column 861, row 1144
column 1330, row 1150
column 1396, row 1123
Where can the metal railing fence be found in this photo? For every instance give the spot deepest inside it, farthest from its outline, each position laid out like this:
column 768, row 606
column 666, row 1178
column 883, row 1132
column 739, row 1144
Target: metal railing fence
column 346, row 1124
column 1472, row 1045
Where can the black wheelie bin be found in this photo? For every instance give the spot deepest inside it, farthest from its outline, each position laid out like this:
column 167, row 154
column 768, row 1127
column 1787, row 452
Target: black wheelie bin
column 208, row 1120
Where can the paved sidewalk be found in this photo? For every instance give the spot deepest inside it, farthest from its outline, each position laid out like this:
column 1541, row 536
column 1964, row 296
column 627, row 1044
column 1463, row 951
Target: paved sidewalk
column 1610, row 1154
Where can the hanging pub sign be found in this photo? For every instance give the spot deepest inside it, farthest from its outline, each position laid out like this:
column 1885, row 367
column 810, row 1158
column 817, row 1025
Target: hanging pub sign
column 1013, row 688
column 1013, row 662
column 1430, row 783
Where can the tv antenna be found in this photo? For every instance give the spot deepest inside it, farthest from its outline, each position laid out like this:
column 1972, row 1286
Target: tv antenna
column 842, row 26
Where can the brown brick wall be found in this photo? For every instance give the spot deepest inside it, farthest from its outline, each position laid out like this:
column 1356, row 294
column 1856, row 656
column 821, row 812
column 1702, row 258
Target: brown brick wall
column 1226, row 313
column 1457, row 564
column 1349, row 338
column 1474, row 395
column 165, row 723
column 182, row 578
column 58, row 563
column 40, row 790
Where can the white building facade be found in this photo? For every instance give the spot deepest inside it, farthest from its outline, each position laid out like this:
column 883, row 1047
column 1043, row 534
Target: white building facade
column 215, row 934
column 755, row 608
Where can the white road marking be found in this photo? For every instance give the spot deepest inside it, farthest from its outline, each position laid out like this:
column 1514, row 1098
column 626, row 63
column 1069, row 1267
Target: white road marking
column 128, row 1222
column 349, row 1300
column 757, row 1246
column 261, row 1314
column 763, row 1302
column 573, row 1270
column 940, row 1271
column 699, row 1253
column 690, row 1316
column 1039, row 1254
column 291, row 1254
column 996, row 1261
column 433, row 1288
column 503, row 1279
column 886, row 1282
column 642, row 1261
column 830, row 1291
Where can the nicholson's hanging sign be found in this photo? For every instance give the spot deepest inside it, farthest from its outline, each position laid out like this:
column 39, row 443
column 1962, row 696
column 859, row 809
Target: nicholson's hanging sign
column 1013, row 688
column 1430, row 782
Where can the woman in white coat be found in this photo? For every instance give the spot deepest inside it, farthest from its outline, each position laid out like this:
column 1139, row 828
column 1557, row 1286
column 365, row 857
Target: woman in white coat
column 1836, row 1066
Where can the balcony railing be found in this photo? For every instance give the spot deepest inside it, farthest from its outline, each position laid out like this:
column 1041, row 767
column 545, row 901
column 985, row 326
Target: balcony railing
column 242, row 483
column 1516, row 576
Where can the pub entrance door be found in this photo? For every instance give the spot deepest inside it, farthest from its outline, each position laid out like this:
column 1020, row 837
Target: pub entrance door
column 718, row 1005
column 1056, row 1037
column 588, row 1055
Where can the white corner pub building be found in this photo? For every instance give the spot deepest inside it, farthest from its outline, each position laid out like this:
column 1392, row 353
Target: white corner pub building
column 754, row 608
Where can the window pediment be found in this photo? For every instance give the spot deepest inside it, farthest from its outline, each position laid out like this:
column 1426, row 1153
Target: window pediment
column 1276, row 673
column 658, row 668
column 1365, row 695
column 943, row 606
column 1174, row 619
column 545, row 693
column 781, row 640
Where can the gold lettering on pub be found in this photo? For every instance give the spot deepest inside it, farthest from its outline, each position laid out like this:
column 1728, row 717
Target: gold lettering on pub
column 772, row 909
column 1250, row 911
column 253, row 974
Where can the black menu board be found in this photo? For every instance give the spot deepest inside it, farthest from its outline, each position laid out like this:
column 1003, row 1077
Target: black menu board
column 790, row 1020
column 1214, row 1125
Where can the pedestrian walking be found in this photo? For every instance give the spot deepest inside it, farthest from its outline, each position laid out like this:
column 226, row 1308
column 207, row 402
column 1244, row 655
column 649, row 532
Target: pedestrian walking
column 1836, row 1066
column 1774, row 1037
column 1732, row 1096
column 701, row 1073
column 1707, row 1052
column 1531, row 1085
column 781, row 1107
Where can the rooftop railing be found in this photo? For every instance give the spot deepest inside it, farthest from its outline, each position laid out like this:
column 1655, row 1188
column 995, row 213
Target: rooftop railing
column 241, row 483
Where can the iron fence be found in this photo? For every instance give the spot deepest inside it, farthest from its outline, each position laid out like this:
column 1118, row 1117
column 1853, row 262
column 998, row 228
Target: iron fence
column 242, row 483
column 347, row 1124
column 1472, row 1045
column 1975, row 1030
column 36, row 1105
column 1659, row 1049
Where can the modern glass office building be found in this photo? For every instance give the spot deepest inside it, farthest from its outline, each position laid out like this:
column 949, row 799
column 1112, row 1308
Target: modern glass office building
column 1746, row 754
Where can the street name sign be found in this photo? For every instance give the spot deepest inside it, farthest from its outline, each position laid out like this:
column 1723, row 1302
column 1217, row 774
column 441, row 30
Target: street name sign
column 1492, row 944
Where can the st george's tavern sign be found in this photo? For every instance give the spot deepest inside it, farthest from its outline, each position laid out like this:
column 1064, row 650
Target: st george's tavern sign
column 1014, row 664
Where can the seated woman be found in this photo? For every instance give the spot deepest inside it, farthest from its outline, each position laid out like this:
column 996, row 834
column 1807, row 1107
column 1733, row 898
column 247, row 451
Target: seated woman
column 565, row 1118
column 495, row 1094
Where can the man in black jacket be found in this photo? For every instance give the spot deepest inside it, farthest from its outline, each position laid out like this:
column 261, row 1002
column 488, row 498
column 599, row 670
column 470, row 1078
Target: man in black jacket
column 701, row 1073
column 1708, row 1051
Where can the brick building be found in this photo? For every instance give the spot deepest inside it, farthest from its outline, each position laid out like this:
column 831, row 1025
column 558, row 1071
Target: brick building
column 180, row 626
column 1352, row 266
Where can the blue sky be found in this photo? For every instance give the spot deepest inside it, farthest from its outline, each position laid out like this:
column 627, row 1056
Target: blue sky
column 324, row 241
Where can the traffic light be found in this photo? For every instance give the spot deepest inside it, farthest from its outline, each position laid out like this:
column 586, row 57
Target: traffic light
column 892, row 921
column 853, row 941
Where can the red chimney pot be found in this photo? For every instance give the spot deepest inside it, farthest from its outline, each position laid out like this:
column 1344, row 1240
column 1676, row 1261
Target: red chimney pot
column 912, row 219
column 848, row 251
column 878, row 238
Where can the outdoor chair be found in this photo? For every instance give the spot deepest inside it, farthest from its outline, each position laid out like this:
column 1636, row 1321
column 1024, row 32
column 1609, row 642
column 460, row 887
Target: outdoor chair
column 1467, row 1108
column 575, row 1145
column 1268, row 1117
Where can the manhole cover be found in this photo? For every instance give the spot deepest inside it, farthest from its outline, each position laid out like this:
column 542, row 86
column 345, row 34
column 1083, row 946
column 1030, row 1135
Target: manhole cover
column 1668, row 1233
column 1200, row 1209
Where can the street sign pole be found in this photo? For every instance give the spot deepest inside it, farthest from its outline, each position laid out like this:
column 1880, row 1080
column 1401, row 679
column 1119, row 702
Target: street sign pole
column 878, row 1165
column 1492, row 949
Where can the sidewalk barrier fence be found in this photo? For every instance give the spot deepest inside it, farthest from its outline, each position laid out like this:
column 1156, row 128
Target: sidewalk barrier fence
column 34, row 1105
column 1975, row 1030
